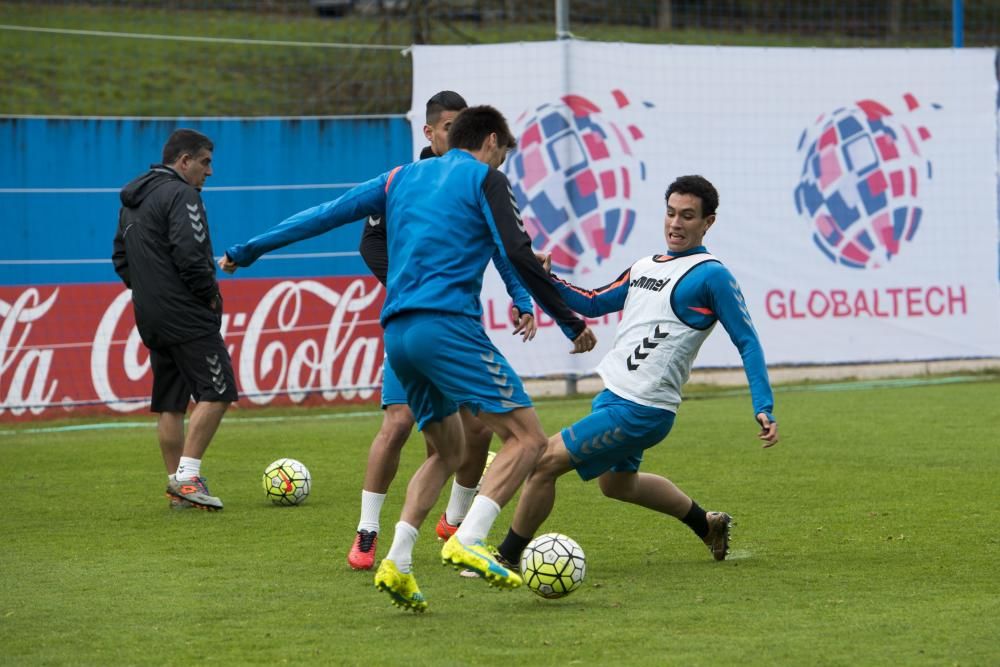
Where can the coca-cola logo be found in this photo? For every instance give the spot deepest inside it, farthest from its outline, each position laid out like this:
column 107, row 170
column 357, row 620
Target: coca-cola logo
column 24, row 371
column 289, row 340
column 336, row 360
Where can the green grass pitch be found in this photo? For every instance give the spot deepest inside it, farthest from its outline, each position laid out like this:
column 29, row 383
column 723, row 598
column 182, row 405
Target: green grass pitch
column 867, row 536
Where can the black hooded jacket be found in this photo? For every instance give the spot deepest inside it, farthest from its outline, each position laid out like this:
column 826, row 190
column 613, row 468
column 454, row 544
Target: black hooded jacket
column 163, row 252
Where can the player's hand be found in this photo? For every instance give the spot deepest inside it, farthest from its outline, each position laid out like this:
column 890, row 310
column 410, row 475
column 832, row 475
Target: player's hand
column 585, row 342
column 546, row 261
column 226, row 264
column 768, row 430
column 524, row 324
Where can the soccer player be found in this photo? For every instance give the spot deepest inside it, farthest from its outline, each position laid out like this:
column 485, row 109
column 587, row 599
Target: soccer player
column 163, row 253
column 434, row 333
column 398, row 422
column 671, row 303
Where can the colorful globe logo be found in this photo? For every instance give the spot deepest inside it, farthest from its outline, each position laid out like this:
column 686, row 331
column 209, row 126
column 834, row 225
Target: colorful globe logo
column 573, row 175
column 860, row 182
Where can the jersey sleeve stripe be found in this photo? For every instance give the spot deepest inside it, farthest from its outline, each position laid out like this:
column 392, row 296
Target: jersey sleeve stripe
column 392, row 175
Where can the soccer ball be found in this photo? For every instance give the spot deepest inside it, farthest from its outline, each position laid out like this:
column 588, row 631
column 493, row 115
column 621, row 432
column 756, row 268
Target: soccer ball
column 553, row 565
column 287, row 482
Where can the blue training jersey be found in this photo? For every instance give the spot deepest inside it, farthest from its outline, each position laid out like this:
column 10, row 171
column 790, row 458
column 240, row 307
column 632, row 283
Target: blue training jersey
column 446, row 218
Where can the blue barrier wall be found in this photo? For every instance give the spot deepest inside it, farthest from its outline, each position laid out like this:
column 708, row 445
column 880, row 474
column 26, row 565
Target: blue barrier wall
column 59, row 192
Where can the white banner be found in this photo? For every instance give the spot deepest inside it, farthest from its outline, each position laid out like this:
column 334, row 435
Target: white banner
column 858, row 188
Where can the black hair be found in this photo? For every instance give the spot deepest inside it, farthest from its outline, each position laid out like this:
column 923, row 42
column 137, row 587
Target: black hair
column 446, row 100
column 185, row 141
column 700, row 187
column 471, row 128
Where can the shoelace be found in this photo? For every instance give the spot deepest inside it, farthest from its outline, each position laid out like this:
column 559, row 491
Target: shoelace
column 366, row 539
column 200, row 482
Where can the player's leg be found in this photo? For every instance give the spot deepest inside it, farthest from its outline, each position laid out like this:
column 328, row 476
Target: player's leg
column 661, row 495
column 406, row 341
column 170, row 399
column 465, row 486
column 383, row 462
column 459, row 365
column 206, row 367
column 395, row 575
column 523, row 441
column 170, row 433
column 537, row 499
column 612, row 436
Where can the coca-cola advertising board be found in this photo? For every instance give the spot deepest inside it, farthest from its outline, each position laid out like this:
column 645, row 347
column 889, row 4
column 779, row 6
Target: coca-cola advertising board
column 74, row 349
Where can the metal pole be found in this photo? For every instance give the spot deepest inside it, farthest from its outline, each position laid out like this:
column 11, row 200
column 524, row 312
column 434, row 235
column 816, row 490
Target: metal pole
column 562, row 19
column 957, row 23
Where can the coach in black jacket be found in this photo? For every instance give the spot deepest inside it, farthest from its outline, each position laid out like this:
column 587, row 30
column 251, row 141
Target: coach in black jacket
column 162, row 251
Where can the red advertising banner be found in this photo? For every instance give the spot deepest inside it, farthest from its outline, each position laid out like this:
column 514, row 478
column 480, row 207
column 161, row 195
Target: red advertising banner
column 67, row 350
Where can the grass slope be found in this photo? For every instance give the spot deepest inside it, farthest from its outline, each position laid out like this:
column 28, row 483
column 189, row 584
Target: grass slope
column 58, row 74
column 866, row 537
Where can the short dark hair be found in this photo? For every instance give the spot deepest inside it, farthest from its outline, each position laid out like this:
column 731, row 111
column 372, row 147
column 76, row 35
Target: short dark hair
column 471, row 128
column 185, row 141
column 446, row 100
column 700, row 187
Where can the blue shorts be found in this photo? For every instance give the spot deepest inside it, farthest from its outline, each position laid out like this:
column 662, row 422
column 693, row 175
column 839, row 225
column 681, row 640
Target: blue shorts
column 392, row 390
column 445, row 361
column 614, row 435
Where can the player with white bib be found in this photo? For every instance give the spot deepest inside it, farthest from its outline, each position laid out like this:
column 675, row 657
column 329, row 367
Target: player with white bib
column 670, row 305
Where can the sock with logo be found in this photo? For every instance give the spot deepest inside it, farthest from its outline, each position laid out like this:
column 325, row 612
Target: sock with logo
column 189, row 468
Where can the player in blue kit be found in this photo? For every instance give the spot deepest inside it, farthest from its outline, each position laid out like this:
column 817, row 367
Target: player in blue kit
column 398, row 422
column 446, row 217
column 670, row 305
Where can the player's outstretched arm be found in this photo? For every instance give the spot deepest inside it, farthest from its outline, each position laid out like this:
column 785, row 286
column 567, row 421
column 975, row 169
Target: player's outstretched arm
column 357, row 203
column 609, row 298
column 721, row 295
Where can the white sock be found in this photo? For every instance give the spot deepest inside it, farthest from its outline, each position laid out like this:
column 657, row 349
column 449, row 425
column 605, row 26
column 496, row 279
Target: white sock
column 478, row 522
column 401, row 551
column 189, row 468
column 459, row 503
column 371, row 508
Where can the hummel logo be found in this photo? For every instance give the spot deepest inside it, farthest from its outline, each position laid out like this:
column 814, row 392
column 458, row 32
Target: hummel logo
column 649, row 283
column 648, row 344
column 192, row 207
column 517, row 213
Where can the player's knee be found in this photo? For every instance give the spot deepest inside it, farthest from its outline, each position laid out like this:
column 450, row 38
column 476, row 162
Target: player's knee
column 618, row 488
column 397, row 423
column 478, row 436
